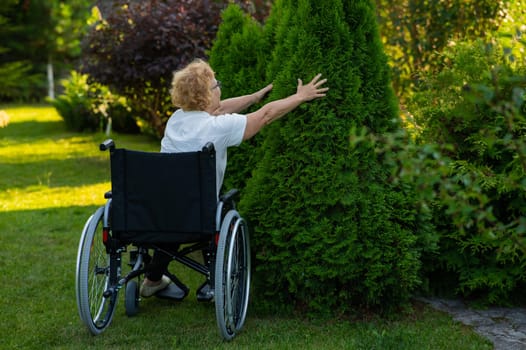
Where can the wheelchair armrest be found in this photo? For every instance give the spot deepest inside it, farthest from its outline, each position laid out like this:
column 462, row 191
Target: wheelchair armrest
column 107, row 144
column 229, row 195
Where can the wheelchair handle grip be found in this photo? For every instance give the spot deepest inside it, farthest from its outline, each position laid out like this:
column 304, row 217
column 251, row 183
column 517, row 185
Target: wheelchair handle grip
column 209, row 147
column 107, row 144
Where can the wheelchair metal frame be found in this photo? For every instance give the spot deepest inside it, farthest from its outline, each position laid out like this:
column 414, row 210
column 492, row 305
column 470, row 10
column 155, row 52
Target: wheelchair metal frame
column 99, row 259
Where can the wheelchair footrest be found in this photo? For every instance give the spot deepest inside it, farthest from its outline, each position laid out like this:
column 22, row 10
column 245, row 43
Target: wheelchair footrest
column 172, row 292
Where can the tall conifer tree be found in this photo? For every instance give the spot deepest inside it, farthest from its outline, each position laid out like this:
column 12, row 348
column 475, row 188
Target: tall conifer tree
column 328, row 228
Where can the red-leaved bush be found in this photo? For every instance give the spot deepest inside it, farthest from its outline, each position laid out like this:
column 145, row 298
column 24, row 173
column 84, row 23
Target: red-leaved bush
column 138, row 45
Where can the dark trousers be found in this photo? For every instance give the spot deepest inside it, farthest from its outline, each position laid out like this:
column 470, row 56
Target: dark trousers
column 159, row 264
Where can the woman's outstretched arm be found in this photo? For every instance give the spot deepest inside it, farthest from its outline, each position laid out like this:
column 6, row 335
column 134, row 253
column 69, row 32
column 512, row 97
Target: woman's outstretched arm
column 277, row 109
column 238, row 104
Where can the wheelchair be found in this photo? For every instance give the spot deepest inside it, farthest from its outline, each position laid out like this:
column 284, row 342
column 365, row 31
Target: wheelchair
column 160, row 200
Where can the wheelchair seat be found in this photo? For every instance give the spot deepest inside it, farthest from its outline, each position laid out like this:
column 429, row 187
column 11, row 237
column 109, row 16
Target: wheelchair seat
column 159, row 201
column 163, row 197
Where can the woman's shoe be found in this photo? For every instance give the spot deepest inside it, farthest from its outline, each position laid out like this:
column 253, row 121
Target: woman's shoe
column 172, row 292
column 149, row 290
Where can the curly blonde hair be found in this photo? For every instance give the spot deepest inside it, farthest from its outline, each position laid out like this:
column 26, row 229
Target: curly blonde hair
column 191, row 86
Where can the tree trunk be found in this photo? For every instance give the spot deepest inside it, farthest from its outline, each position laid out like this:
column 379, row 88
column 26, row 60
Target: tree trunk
column 50, row 78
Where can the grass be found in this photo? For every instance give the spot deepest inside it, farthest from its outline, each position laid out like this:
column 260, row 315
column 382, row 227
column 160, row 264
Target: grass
column 52, row 180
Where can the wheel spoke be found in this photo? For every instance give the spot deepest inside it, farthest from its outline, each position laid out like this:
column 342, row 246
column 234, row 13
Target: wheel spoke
column 94, row 267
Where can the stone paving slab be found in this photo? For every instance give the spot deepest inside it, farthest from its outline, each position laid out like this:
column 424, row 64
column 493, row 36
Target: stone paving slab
column 504, row 327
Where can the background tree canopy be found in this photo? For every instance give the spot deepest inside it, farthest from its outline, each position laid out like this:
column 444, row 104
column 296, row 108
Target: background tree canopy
column 415, row 32
column 38, row 36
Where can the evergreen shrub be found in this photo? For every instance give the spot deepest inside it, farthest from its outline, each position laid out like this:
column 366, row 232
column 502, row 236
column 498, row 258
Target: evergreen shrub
column 330, row 230
column 476, row 107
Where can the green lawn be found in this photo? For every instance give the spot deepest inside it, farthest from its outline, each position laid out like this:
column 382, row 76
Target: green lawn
column 52, row 180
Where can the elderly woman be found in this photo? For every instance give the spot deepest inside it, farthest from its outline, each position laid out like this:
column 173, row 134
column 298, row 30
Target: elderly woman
column 203, row 117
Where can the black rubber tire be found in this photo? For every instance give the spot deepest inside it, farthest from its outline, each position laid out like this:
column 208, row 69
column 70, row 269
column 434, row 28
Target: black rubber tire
column 93, row 277
column 232, row 275
column 131, row 298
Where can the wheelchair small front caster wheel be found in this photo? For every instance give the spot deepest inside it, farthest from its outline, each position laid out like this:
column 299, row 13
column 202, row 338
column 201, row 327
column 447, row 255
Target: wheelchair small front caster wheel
column 131, row 298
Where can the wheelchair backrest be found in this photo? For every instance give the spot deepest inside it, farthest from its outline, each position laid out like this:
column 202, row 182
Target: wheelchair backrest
column 163, row 197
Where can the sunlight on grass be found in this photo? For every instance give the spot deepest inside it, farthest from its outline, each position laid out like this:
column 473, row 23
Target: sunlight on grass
column 48, row 149
column 54, row 149
column 41, row 197
column 25, row 113
column 45, row 166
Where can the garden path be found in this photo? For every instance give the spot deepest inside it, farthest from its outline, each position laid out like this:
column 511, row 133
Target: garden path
column 504, row 327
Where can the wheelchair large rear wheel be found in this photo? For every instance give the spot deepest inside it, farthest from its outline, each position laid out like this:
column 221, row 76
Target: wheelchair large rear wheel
column 96, row 273
column 232, row 275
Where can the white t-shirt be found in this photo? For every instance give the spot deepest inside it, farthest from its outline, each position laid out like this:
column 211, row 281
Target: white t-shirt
column 190, row 131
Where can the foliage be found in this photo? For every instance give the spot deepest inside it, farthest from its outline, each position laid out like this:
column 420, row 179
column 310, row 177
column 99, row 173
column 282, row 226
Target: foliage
column 476, row 106
column 512, row 31
column 329, row 230
column 69, row 25
column 135, row 49
column 415, row 32
column 34, row 34
column 85, row 106
column 18, row 77
column 19, row 81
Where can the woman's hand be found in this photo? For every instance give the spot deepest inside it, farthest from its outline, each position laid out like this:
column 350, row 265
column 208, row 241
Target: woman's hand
column 263, row 92
column 313, row 89
column 277, row 109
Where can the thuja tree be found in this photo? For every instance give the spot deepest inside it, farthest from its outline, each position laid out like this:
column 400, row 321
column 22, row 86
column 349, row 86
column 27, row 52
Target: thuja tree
column 330, row 231
column 238, row 56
